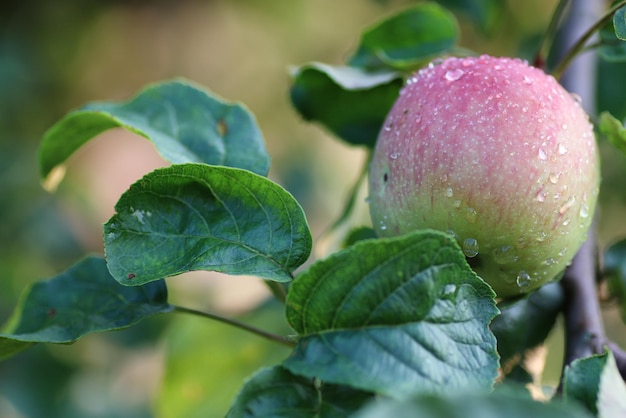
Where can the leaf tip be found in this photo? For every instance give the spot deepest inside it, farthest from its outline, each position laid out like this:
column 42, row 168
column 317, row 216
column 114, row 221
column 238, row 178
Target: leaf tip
column 53, row 178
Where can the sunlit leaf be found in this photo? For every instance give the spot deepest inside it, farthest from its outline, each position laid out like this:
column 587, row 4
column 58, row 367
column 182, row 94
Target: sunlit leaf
column 596, row 383
column 200, row 217
column 396, row 316
column 275, row 392
column 79, row 301
column 614, row 130
column 407, row 39
column 185, row 122
column 349, row 102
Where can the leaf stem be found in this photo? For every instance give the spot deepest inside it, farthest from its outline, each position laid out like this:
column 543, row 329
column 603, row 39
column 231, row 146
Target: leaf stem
column 233, row 322
column 548, row 39
column 582, row 41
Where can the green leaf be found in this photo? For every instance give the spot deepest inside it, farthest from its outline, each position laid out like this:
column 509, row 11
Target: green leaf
column 612, row 47
column 397, row 316
column 275, row 392
column 496, row 405
column 349, row 102
column 358, row 234
column 79, row 301
column 596, row 383
column 615, row 273
column 614, row 130
column 407, row 40
column 619, row 23
column 486, row 14
column 526, row 324
column 185, row 123
column 199, row 217
column 610, row 98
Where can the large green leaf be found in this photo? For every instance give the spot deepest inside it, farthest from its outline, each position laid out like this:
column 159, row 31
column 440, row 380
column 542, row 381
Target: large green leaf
column 396, row 316
column 200, row 217
column 408, row 39
column 349, row 102
column 79, row 301
column 275, row 392
column 596, row 383
column 465, row 405
column 185, row 123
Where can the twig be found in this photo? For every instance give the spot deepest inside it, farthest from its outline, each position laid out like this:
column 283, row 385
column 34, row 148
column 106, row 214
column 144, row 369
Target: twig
column 262, row 333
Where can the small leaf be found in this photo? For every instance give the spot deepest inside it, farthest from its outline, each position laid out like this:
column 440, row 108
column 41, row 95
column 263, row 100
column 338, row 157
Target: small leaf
column 596, row 383
column 615, row 272
column 79, row 301
column 612, row 47
column 486, row 14
column 495, row 405
column 199, row 217
column 619, row 23
column 397, row 316
column 185, row 123
column 275, row 392
column 349, row 102
column 614, row 130
column 407, row 40
column 358, row 234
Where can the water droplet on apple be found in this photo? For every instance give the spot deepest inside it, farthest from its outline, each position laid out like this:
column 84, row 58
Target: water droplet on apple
column 393, row 155
column 542, row 155
column 418, row 118
column 562, row 149
column 448, row 192
column 505, row 255
column 453, row 75
column 549, row 261
column 564, row 126
column 584, row 210
column 554, row 177
column 470, row 215
column 523, row 279
column 577, row 98
column 388, row 127
column 541, row 237
column 470, row 247
column 570, row 202
column 457, row 203
column 521, row 242
column 451, row 233
column 566, row 221
column 541, row 196
column 528, row 80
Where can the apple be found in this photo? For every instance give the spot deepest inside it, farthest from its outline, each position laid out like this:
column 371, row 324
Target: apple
column 496, row 153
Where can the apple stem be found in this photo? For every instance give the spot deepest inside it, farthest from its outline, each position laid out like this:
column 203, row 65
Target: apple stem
column 546, row 43
column 584, row 330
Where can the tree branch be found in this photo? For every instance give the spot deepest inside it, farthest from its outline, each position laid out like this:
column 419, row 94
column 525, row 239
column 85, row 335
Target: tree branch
column 584, row 329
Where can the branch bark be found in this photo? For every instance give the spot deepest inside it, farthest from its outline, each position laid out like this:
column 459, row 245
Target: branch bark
column 584, row 329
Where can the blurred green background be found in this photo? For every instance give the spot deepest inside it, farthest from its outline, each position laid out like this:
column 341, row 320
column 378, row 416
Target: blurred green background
column 58, row 55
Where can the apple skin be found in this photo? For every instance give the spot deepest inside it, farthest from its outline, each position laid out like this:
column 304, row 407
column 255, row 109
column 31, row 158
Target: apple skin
column 496, row 153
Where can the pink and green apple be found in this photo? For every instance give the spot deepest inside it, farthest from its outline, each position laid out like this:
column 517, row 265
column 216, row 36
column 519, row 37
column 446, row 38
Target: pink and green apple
column 498, row 154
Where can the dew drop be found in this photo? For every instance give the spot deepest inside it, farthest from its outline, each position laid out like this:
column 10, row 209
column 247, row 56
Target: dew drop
column 388, row 127
column 566, row 221
column 448, row 192
column 505, row 255
column 452, row 233
column 567, row 205
column 448, row 289
column 393, row 156
column 528, row 80
column 542, row 155
column 562, row 149
column 564, row 126
column 562, row 252
column 584, row 210
column 523, row 279
column 453, row 75
column 418, row 118
column 541, row 196
column 457, row 203
column 470, row 247
column 549, row 261
column 470, row 215
column 521, row 243
column 554, row 177
column 541, row 237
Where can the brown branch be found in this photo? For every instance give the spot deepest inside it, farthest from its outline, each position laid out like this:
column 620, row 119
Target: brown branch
column 584, row 329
